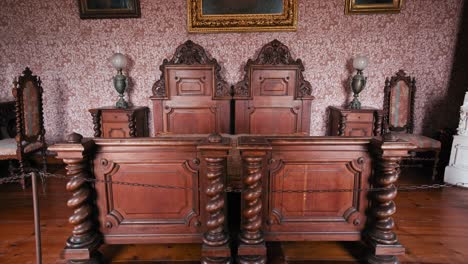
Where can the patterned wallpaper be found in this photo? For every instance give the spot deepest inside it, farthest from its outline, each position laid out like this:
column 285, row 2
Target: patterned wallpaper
column 72, row 55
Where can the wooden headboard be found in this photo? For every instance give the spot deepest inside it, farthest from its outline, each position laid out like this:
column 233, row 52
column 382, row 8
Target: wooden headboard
column 273, row 97
column 191, row 97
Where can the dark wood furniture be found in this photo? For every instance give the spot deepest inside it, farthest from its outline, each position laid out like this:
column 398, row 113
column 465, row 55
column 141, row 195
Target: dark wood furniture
column 190, row 212
column 191, row 97
column 112, row 122
column 365, row 122
column 273, row 97
column 29, row 118
column 7, row 120
column 398, row 108
column 277, row 171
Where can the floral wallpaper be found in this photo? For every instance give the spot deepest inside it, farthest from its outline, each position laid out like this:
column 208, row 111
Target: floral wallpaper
column 72, row 55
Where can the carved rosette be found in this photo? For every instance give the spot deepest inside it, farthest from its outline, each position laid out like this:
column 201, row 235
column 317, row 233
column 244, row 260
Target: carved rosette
column 131, row 124
column 190, row 53
column 96, row 123
column 274, row 53
column 84, row 233
column 215, row 235
column 252, row 217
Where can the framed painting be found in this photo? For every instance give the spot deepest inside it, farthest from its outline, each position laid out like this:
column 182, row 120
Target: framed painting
column 373, row 6
column 109, row 8
column 241, row 15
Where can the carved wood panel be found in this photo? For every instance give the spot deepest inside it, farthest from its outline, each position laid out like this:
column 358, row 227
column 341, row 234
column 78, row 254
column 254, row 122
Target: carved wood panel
column 273, row 97
column 191, row 97
column 149, row 214
column 318, row 215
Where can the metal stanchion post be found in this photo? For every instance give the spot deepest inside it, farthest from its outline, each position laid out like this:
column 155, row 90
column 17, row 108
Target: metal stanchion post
column 37, row 220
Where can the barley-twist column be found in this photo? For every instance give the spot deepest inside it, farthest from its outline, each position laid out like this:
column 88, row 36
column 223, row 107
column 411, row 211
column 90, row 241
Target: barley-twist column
column 254, row 151
column 82, row 245
column 96, row 114
column 214, row 151
column 252, row 218
column 383, row 240
column 215, row 235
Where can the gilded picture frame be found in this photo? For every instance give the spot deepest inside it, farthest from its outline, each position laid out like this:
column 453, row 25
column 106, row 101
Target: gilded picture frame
column 205, row 16
column 109, row 9
column 373, row 6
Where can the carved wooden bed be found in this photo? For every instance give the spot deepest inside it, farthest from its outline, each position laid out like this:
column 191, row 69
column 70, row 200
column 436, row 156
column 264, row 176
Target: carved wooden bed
column 277, row 159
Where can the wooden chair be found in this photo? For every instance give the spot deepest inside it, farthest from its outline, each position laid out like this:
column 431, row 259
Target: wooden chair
column 29, row 124
column 398, row 117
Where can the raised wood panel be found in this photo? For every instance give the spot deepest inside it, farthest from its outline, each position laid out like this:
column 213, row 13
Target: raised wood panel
column 314, row 206
column 319, row 215
column 274, row 120
column 358, row 129
column 190, row 120
column 149, row 214
column 273, row 83
column 115, row 130
column 189, row 81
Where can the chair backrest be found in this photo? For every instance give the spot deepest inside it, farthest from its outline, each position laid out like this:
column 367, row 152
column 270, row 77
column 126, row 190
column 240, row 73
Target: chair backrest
column 399, row 103
column 28, row 106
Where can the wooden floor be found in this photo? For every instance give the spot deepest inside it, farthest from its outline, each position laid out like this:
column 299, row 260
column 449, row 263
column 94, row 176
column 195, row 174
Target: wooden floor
column 432, row 225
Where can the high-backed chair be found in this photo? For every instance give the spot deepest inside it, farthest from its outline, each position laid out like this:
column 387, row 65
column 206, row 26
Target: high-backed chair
column 29, row 124
column 398, row 116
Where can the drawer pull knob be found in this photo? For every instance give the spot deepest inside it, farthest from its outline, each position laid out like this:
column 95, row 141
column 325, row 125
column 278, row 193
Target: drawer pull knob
column 108, row 224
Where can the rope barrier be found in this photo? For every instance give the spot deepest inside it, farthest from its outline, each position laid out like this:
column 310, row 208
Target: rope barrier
column 404, row 188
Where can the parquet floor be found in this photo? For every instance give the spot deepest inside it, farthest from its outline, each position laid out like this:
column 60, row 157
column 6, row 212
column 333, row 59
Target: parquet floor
column 432, row 225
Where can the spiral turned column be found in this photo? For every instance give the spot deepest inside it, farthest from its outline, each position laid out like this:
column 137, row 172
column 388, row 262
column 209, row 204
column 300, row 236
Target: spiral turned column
column 215, row 235
column 82, row 245
column 251, row 213
column 214, row 150
column 83, row 233
column 380, row 235
column 96, row 123
column 252, row 249
column 384, row 207
column 131, row 124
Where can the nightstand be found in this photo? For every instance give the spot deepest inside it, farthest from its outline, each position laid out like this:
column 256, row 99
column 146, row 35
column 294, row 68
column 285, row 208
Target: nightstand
column 365, row 122
column 112, row 122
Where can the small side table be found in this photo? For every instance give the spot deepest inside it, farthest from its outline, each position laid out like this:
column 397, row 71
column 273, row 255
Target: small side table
column 112, row 122
column 365, row 122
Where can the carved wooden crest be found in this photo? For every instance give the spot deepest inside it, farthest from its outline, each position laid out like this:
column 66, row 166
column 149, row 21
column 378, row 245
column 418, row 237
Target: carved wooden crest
column 190, row 53
column 274, row 53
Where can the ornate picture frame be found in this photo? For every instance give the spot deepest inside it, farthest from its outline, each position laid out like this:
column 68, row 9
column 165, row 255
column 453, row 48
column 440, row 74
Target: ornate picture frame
column 373, row 6
column 90, row 9
column 206, row 16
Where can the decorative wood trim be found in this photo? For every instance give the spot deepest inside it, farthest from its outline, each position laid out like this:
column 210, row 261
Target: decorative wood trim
column 131, row 124
column 274, row 53
column 200, row 23
column 190, row 53
column 389, row 84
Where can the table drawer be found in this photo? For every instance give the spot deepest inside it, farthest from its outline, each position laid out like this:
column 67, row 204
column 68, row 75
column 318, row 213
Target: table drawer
column 114, row 117
column 360, row 117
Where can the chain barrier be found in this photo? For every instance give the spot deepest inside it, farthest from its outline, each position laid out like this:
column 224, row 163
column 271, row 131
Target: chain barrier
column 403, row 188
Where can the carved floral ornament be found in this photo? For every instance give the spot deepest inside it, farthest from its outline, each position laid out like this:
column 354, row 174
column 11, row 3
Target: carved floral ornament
column 273, row 53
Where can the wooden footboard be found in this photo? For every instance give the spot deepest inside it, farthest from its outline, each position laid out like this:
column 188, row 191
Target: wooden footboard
column 315, row 189
column 191, row 210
